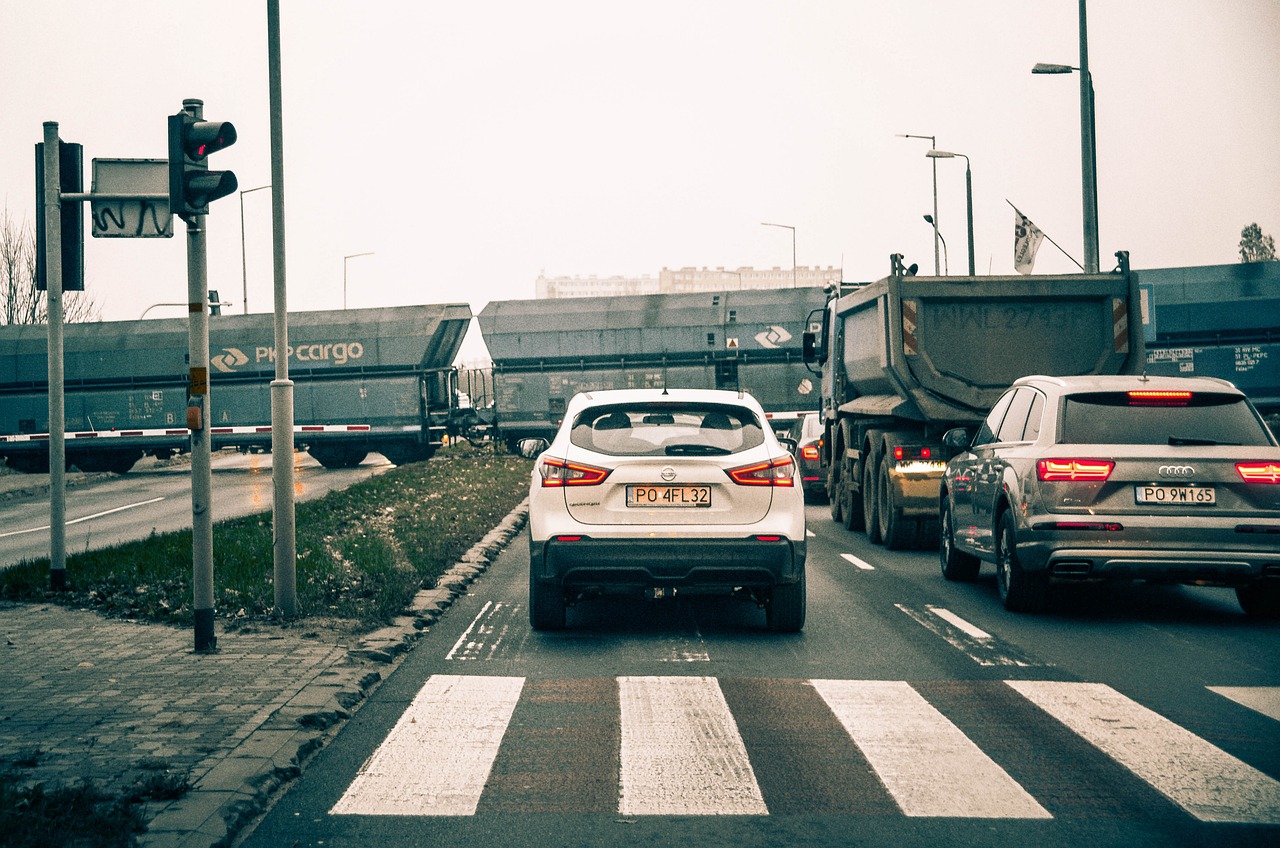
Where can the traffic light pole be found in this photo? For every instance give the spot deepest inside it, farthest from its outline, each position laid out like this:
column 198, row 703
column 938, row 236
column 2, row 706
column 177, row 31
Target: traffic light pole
column 57, row 408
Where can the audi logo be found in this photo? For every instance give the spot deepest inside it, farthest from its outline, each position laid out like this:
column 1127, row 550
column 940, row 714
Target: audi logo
column 1177, row 471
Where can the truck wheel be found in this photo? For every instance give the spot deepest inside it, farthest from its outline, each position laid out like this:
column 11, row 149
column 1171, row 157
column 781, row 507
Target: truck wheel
column 870, row 499
column 853, row 517
column 546, row 605
column 1261, row 598
column 1020, row 591
column 895, row 531
column 956, row 565
column 835, row 494
column 785, row 610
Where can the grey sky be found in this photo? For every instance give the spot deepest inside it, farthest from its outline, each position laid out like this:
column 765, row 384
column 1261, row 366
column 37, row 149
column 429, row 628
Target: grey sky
column 471, row 146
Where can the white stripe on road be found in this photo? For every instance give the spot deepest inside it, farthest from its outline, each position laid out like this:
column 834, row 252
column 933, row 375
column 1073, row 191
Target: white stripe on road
column 681, row 752
column 456, row 725
column 85, row 518
column 863, row 564
column 927, row 764
column 956, row 621
column 1204, row 780
column 1263, row 699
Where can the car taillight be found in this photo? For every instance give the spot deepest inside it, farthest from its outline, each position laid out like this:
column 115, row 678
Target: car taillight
column 1075, row 470
column 559, row 472
column 809, row 452
column 1152, row 397
column 1259, row 472
column 776, row 472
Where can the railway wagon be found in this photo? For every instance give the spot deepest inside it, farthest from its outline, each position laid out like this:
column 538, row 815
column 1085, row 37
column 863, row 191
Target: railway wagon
column 365, row 380
column 1217, row 321
column 545, row 351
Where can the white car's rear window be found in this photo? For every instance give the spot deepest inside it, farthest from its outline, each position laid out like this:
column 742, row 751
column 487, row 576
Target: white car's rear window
column 667, row 429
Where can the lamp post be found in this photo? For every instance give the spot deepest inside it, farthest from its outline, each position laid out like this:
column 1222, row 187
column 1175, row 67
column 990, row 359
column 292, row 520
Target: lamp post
column 937, row 236
column 244, row 267
column 793, row 247
column 968, row 193
column 929, row 219
column 344, row 273
column 1088, row 152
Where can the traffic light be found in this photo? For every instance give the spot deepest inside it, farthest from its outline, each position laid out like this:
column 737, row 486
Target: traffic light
column 191, row 184
column 71, row 169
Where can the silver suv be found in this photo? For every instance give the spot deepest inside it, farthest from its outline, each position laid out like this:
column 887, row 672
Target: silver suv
column 1116, row 478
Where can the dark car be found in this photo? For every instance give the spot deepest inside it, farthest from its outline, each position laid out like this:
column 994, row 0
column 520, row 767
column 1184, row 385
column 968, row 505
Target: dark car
column 1116, row 478
column 806, row 432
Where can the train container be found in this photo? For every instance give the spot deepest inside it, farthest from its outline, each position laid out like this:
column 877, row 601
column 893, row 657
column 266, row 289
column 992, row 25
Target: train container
column 364, row 380
column 545, row 351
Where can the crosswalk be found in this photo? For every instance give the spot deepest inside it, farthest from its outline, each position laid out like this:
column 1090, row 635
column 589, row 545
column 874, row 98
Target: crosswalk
column 703, row 746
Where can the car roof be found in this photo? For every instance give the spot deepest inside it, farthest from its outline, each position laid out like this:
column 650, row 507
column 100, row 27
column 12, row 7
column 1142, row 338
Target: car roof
column 583, row 400
column 1127, row 382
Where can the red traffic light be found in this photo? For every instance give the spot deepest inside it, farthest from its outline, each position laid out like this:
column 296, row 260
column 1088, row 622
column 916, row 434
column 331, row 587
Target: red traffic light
column 201, row 138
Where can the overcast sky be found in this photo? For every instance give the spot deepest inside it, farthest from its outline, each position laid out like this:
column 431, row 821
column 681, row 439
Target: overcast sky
column 472, row 146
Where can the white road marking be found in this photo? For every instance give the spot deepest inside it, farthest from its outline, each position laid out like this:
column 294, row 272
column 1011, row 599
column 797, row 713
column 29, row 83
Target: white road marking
column 456, row 724
column 85, row 518
column 956, row 621
column 1204, row 780
column 681, row 752
column 863, row 564
column 1263, row 699
column 486, row 637
column 927, row 764
column 465, row 639
column 976, row 643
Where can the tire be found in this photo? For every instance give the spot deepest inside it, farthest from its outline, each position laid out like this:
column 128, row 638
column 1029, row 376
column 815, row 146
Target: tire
column 1260, row 599
column 546, row 605
column 786, row 608
column 896, row 532
column 1020, row 591
column 956, row 565
column 870, row 499
column 836, row 494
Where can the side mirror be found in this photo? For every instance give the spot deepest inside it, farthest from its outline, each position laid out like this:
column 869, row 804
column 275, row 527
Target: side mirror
column 790, row 444
column 956, row 440
column 809, row 347
column 530, row 448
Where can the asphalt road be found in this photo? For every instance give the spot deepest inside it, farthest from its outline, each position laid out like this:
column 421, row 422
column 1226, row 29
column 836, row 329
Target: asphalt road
column 109, row 509
column 910, row 711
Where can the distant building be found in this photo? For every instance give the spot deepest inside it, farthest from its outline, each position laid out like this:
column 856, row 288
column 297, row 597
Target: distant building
column 686, row 280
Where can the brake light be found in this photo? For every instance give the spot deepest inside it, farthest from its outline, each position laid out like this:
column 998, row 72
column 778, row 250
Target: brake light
column 1154, row 397
column 910, row 452
column 1259, row 472
column 559, row 472
column 1074, row 470
column 809, row 452
column 776, row 472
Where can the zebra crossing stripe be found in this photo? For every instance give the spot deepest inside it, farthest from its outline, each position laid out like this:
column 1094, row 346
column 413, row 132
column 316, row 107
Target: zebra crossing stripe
column 460, row 721
column 1262, row 699
column 1204, row 780
column 681, row 751
column 927, row 764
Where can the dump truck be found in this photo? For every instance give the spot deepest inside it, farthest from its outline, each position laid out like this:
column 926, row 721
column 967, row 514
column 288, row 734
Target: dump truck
column 906, row 358
column 364, row 380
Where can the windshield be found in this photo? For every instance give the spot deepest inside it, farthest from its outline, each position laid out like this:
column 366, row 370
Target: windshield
column 667, row 429
column 1202, row 419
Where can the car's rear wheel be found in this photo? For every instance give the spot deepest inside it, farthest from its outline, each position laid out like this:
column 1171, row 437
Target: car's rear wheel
column 956, row 564
column 546, row 605
column 1261, row 598
column 1020, row 591
column 786, row 608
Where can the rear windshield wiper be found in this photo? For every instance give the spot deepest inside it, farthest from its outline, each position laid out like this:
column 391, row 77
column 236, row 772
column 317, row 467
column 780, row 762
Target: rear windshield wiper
column 696, row 450
column 1181, row 441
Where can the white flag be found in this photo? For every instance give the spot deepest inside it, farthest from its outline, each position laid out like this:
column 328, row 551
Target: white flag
column 1026, row 241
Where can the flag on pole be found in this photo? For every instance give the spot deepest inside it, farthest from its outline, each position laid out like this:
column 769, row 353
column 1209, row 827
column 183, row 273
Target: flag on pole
column 1026, row 241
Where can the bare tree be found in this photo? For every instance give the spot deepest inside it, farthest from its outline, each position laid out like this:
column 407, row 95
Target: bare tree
column 20, row 302
column 1256, row 247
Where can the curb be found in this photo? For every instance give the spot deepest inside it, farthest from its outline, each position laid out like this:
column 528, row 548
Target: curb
column 241, row 784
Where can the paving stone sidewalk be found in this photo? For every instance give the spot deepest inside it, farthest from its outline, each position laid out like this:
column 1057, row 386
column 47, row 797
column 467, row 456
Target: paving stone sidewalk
column 84, row 697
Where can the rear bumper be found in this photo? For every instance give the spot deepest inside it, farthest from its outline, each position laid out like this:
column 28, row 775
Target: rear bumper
column 689, row 565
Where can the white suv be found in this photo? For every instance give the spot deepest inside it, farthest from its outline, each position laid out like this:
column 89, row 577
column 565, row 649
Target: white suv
column 657, row 492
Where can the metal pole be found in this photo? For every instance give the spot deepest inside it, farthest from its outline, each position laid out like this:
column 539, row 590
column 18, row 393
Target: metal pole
column 968, row 194
column 57, row 410
column 244, row 267
column 937, row 235
column 1089, row 186
column 344, row 273
column 793, row 257
column 283, row 513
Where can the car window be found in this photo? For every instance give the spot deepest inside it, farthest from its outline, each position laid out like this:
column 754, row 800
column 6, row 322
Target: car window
column 987, row 432
column 1032, row 431
column 667, row 429
column 1015, row 420
column 1203, row 418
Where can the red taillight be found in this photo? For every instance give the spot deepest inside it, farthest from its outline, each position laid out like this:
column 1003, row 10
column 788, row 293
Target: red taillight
column 1259, row 472
column 909, row 452
column 1153, row 397
column 558, row 472
column 809, row 452
column 777, row 472
column 1074, row 470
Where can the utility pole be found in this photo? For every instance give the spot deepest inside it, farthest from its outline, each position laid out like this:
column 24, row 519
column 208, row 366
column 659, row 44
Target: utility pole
column 57, row 409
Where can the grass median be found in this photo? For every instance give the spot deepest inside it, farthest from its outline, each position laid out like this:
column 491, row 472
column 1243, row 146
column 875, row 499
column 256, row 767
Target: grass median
column 362, row 553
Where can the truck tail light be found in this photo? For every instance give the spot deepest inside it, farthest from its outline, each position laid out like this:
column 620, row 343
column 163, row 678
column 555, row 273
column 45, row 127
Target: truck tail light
column 1259, row 472
column 1074, row 470
column 775, row 472
column 557, row 473
column 910, row 452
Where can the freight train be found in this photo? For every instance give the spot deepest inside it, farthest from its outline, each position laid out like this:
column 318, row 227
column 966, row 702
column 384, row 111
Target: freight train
column 364, row 380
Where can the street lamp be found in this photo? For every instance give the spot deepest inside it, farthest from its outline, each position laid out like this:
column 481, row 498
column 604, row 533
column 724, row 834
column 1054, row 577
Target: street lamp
column 793, row 248
column 1088, row 149
column 937, row 236
column 244, row 267
column 968, row 193
column 344, row 273
column 929, row 219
